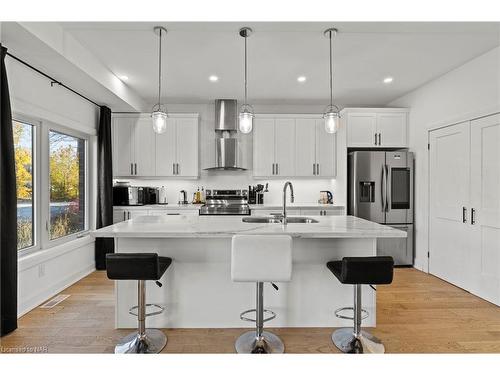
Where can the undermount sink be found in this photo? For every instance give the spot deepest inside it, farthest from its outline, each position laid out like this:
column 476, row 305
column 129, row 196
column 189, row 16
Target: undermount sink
column 279, row 220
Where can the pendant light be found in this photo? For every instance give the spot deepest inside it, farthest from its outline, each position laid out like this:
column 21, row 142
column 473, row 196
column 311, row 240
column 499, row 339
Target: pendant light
column 246, row 110
column 159, row 111
column 331, row 114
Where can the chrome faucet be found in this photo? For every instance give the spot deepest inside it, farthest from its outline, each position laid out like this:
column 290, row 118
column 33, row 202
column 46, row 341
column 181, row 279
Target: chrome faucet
column 287, row 184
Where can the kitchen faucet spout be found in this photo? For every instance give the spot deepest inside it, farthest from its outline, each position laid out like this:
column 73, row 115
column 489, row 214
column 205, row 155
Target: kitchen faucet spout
column 287, row 184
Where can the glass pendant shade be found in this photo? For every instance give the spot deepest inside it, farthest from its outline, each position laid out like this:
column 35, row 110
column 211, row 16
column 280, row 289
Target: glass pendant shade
column 159, row 121
column 246, row 122
column 331, row 122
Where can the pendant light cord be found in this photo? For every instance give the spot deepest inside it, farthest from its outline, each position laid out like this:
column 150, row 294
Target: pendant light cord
column 331, row 69
column 245, row 69
column 159, row 73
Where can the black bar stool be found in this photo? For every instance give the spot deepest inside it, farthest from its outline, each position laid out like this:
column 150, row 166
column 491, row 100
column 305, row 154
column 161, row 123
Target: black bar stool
column 140, row 267
column 359, row 271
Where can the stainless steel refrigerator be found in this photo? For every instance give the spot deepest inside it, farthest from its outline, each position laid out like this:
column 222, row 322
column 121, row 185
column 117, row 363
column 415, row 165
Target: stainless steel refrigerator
column 380, row 189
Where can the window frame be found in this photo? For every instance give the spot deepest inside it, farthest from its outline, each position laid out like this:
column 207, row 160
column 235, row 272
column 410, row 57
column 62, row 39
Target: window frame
column 48, row 242
column 36, row 175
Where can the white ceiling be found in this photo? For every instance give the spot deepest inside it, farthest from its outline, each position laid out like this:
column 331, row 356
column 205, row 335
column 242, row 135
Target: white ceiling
column 365, row 53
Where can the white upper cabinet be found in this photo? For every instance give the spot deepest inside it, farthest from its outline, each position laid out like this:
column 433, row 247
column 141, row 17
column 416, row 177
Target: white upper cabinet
column 326, row 155
column 123, row 146
column 293, row 146
column 284, row 141
column 138, row 151
column 305, row 145
column 376, row 127
column 144, row 153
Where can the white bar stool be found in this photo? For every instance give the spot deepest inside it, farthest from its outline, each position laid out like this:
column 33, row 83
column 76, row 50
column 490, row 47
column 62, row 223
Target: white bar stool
column 260, row 259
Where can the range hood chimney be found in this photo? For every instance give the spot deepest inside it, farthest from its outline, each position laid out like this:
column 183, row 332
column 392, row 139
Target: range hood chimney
column 226, row 147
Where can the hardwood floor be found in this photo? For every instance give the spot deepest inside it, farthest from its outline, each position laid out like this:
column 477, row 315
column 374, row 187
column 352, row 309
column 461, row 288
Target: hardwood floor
column 418, row 313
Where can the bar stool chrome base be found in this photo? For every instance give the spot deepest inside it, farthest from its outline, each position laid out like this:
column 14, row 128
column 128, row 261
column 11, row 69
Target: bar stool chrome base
column 347, row 342
column 152, row 342
column 248, row 343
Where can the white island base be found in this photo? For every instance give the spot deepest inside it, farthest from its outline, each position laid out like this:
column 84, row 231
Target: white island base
column 198, row 292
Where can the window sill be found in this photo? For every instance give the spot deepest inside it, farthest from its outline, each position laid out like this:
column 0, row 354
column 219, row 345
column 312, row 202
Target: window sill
column 37, row 257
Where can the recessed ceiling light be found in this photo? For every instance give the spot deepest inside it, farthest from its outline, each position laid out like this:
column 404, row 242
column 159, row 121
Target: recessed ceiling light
column 301, row 79
column 123, row 77
column 213, row 78
column 388, row 79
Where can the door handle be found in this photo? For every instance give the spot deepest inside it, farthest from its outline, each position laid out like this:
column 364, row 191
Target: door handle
column 135, row 165
column 464, row 215
column 387, row 191
column 383, row 190
column 473, row 216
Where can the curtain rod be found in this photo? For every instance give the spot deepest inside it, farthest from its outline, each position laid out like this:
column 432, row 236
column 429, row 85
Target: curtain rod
column 52, row 80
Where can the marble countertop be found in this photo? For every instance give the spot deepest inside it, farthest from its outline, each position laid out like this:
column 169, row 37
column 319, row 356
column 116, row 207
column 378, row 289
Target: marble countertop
column 191, row 206
column 191, row 226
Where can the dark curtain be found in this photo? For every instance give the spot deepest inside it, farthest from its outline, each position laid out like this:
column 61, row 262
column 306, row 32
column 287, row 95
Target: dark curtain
column 8, row 210
column 104, row 246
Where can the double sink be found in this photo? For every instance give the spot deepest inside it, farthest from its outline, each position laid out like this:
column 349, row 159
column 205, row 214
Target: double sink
column 279, row 219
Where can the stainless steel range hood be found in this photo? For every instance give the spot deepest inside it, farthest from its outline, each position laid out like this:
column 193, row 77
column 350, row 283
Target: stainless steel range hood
column 226, row 147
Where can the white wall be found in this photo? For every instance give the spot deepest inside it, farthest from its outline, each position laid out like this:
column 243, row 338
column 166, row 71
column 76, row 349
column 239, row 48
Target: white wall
column 46, row 272
column 470, row 90
column 306, row 190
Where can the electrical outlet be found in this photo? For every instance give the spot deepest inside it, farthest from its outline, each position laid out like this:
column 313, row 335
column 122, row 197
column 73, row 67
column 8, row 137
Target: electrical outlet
column 41, row 270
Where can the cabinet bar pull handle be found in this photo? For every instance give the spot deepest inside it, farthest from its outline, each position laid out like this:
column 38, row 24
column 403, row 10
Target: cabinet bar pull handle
column 131, row 168
column 124, row 217
column 173, row 168
column 464, row 215
column 379, row 139
column 277, row 168
column 317, row 169
column 473, row 216
column 177, row 168
column 375, row 139
column 135, row 165
column 314, row 169
column 129, row 214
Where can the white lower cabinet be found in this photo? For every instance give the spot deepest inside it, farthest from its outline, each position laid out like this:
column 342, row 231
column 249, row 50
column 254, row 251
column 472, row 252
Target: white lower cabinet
column 321, row 212
column 122, row 214
column 464, row 227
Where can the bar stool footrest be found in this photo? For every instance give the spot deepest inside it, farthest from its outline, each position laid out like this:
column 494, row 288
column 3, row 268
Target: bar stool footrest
column 338, row 313
column 159, row 309
column 243, row 317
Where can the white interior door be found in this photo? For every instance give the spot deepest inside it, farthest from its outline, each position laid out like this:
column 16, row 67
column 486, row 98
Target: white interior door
column 165, row 151
column 285, row 146
column 485, row 200
column 361, row 129
column 392, row 128
column 326, row 152
column 263, row 147
column 449, row 195
column 305, row 145
column 144, row 153
column 187, row 147
column 123, row 146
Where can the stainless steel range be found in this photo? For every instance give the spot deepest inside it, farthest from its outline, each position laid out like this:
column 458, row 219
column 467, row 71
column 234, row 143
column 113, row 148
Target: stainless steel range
column 226, row 202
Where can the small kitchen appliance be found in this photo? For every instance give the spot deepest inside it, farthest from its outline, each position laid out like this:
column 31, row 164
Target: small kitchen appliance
column 226, row 202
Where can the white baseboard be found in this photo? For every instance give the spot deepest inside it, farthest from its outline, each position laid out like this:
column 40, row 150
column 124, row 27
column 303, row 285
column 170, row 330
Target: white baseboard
column 35, row 300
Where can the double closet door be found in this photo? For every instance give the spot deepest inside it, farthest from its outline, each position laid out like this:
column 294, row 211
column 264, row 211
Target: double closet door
column 464, row 218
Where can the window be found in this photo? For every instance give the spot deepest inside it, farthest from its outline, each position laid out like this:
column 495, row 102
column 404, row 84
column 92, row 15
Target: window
column 66, row 184
column 23, row 149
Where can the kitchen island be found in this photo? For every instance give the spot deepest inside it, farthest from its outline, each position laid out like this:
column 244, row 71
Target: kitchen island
column 197, row 289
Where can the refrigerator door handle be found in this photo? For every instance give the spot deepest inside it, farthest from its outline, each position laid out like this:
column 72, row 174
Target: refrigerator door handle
column 387, row 188
column 383, row 189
